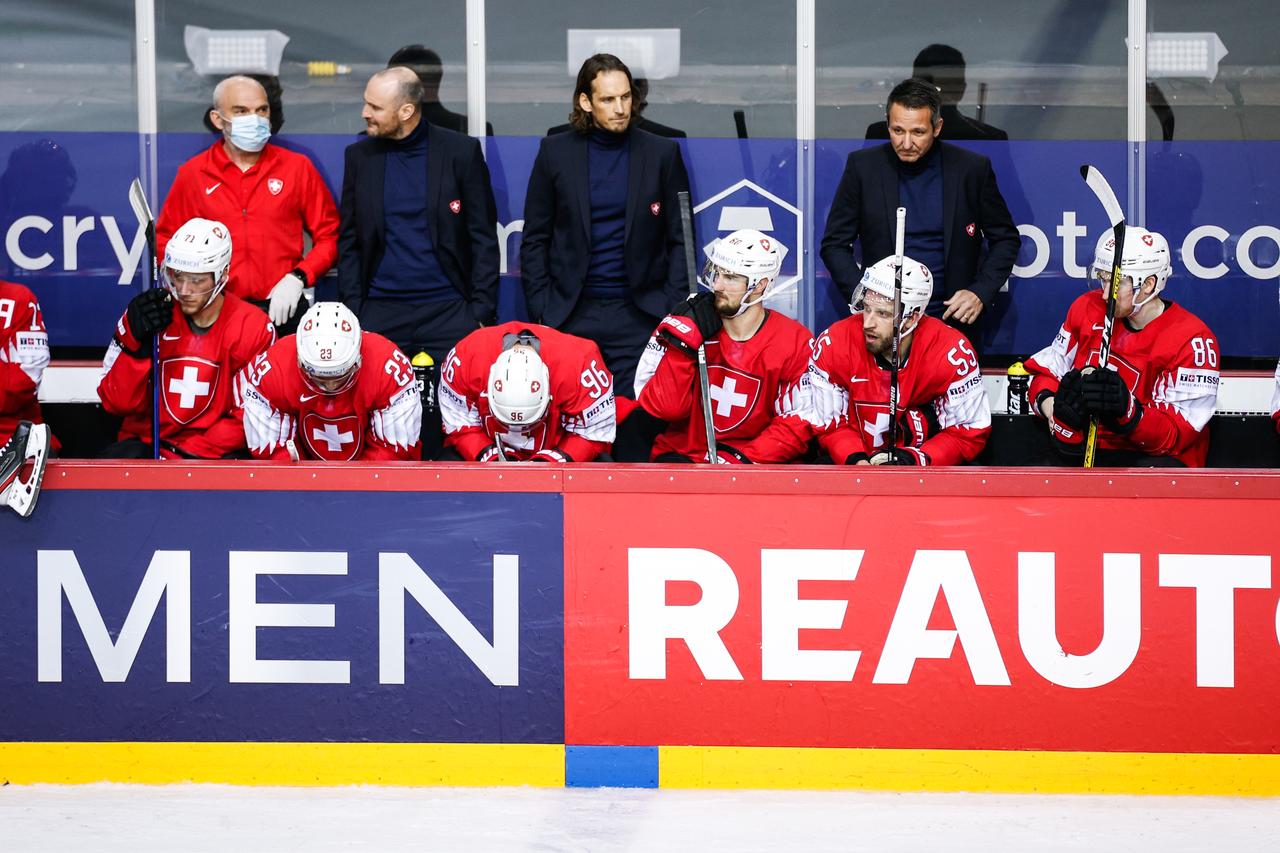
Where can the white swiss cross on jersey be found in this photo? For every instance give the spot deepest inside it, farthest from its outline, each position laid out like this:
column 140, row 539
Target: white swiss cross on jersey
column 335, row 439
column 733, row 395
column 188, row 384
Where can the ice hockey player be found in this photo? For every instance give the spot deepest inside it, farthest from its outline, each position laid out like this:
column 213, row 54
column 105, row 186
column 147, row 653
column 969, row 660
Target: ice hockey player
column 1160, row 386
column 331, row 392
column 24, row 354
column 205, row 335
column 520, row 392
column 756, row 358
column 944, row 417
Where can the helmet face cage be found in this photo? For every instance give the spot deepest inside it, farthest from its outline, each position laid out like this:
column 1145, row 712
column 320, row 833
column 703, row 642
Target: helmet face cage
column 199, row 246
column 328, row 342
column 1146, row 254
column 747, row 253
column 519, row 388
column 879, row 280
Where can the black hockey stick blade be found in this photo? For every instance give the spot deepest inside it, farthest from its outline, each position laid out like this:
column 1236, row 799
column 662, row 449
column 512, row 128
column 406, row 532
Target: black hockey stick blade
column 691, row 268
column 1102, row 189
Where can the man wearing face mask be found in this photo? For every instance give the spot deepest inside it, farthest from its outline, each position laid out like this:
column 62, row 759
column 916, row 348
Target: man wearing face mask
column 266, row 195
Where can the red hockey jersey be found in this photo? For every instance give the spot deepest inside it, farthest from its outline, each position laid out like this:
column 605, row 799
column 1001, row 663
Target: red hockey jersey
column 197, row 367
column 24, row 354
column 378, row 417
column 1275, row 399
column 847, row 394
column 749, row 386
column 581, row 419
column 1170, row 366
column 266, row 207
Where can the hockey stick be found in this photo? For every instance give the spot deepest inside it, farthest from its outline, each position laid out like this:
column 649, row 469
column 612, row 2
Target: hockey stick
column 142, row 210
column 1115, row 216
column 899, row 242
column 691, row 268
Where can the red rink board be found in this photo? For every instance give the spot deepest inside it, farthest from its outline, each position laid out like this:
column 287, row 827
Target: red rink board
column 1154, row 704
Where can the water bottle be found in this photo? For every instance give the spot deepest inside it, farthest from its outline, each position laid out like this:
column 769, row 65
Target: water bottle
column 1019, row 383
column 424, row 369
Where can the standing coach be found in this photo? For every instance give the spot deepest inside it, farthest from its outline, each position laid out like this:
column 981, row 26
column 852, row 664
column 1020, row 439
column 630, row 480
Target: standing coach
column 953, row 207
column 602, row 255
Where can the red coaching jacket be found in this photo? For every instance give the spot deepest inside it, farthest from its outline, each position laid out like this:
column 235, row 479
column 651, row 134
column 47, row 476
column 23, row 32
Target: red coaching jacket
column 266, row 209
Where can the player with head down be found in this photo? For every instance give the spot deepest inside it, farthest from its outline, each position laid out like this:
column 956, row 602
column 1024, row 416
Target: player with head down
column 522, row 392
column 1160, row 386
column 943, row 416
column 205, row 336
column 755, row 360
column 331, row 392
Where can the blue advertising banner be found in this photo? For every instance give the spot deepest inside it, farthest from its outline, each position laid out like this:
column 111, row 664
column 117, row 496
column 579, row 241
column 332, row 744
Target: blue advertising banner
column 70, row 236
column 284, row 616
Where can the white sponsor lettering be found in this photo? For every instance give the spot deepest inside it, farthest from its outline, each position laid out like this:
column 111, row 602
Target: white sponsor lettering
column 168, row 576
column 246, row 615
column 398, row 574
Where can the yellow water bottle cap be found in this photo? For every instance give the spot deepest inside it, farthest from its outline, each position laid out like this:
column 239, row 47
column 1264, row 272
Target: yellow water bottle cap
column 422, row 360
column 1016, row 369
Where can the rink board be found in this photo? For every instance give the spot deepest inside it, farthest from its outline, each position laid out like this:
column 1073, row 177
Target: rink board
column 980, row 630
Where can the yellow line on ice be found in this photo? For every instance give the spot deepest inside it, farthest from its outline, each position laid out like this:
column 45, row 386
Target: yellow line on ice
column 284, row 763
column 969, row 770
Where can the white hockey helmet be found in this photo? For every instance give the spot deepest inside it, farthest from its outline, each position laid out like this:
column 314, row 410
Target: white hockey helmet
column 917, row 288
column 329, row 347
column 747, row 253
column 519, row 387
column 1146, row 254
column 199, row 246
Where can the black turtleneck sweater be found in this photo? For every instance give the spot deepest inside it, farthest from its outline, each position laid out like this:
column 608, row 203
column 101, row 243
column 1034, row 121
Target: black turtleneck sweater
column 409, row 269
column 920, row 192
column 608, row 167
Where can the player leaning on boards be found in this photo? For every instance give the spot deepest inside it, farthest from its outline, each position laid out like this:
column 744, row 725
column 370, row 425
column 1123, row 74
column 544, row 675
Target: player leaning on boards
column 266, row 195
column 524, row 392
column 945, row 417
column 331, row 392
column 205, row 335
column 755, row 358
column 1160, row 387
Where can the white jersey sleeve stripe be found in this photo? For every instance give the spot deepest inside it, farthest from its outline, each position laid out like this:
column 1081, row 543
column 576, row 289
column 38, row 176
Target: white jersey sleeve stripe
column 400, row 423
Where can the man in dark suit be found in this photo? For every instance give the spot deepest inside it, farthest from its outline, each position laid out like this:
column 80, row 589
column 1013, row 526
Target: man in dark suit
column 602, row 255
column 418, row 246
column 953, row 207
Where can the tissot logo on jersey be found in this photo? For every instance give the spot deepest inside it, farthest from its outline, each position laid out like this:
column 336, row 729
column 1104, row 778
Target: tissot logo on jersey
column 187, row 385
column 335, row 439
column 1190, row 378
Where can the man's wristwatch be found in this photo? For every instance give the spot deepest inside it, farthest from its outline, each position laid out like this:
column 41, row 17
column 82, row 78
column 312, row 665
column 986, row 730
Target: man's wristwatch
column 297, row 271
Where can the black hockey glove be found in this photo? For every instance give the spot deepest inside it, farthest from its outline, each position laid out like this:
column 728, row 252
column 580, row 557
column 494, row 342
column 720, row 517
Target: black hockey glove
column 1069, row 407
column 730, row 455
column 1107, row 397
column 691, row 323
column 148, row 314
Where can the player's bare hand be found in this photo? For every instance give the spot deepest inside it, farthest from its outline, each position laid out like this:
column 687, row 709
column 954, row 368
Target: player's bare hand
column 964, row 305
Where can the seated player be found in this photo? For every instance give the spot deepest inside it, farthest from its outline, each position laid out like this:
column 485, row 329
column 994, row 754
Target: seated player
column 521, row 392
column 205, row 336
column 754, row 357
column 24, row 354
column 847, row 400
column 1160, row 386
column 331, row 392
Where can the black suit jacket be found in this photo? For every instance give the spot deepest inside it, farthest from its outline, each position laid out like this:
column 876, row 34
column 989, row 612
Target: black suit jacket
column 465, row 240
column 556, row 246
column 864, row 211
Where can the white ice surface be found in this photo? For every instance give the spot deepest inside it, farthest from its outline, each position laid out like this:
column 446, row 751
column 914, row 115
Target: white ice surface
column 132, row 819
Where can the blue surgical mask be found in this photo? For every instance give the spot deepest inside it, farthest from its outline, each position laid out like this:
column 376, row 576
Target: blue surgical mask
column 248, row 133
